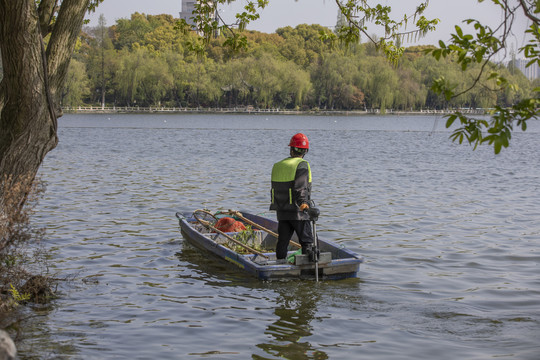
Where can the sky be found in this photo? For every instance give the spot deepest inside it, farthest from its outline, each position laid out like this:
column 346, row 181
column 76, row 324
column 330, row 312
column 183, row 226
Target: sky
column 281, row 13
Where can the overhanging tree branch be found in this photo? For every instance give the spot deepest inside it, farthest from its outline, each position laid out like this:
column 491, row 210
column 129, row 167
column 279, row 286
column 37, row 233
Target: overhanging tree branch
column 528, row 11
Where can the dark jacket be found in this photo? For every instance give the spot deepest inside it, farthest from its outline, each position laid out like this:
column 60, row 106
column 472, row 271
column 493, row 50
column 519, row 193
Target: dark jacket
column 291, row 187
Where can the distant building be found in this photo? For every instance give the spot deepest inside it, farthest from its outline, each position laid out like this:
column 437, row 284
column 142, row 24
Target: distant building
column 532, row 72
column 188, row 6
column 187, row 10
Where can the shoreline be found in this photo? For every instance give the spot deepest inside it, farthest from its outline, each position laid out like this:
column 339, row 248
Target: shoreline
column 255, row 111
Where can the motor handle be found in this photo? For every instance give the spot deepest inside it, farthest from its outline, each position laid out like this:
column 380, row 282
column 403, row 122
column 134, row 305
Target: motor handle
column 313, row 213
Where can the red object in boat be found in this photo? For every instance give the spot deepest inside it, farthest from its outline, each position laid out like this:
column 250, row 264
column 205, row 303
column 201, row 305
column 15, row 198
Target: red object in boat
column 227, row 224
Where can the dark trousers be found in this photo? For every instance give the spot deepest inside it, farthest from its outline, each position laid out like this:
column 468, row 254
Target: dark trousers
column 286, row 228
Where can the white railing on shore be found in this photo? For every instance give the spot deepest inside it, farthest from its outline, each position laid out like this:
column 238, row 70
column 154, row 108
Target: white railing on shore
column 139, row 109
column 249, row 109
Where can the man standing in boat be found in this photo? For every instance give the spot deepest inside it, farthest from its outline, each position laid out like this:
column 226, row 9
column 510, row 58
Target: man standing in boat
column 291, row 194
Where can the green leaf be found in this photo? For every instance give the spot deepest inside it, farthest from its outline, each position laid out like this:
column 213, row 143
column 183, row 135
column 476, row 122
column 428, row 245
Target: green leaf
column 504, row 140
column 497, row 145
column 451, row 120
column 492, row 75
column 488, row 139
column 459, row 31
column 479, row 57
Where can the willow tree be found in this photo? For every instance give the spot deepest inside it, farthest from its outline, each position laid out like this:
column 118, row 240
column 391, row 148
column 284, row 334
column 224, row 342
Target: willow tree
column 471, row 51
column 33, row 78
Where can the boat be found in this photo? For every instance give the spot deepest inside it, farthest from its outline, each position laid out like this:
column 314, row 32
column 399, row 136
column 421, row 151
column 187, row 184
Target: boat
column 256, row 256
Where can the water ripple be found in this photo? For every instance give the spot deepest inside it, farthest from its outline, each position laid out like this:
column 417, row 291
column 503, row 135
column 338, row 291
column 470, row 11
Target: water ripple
column 450, row 239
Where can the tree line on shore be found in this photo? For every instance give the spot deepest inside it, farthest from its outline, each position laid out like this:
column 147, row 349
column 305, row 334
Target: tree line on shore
column 148, row 60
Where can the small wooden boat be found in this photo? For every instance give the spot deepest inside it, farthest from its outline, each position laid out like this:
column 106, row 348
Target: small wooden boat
column 257, row 255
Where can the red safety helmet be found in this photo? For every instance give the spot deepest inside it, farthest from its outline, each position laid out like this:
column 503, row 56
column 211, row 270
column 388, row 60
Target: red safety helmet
column 299, row 141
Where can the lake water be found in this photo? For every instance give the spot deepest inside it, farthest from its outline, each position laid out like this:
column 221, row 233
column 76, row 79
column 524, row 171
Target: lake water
column 450, row 238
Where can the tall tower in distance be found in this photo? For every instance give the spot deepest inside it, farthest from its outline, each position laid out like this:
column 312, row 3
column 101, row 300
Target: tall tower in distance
column 187, row 11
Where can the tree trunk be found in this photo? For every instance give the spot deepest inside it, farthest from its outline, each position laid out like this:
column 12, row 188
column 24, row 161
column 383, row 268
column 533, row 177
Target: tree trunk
column 32, row 78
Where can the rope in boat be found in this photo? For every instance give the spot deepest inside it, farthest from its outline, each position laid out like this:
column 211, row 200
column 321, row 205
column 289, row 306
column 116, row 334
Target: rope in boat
column 240, row 216
column 208, row 225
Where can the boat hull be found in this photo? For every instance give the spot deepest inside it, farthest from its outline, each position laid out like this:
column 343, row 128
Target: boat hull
column 340, row 263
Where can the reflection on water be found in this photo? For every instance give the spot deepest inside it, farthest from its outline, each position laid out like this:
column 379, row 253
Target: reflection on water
column 296, row 307
column 449, row 236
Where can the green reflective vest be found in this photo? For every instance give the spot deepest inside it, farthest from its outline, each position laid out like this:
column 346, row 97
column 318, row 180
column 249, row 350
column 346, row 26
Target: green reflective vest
column 285, row 193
